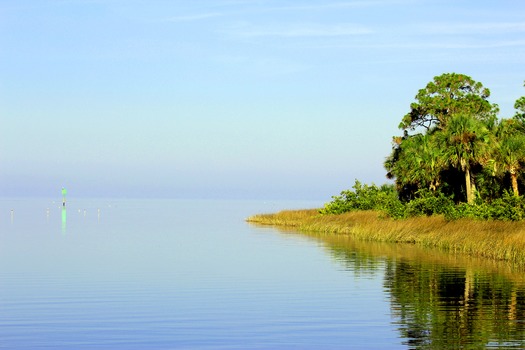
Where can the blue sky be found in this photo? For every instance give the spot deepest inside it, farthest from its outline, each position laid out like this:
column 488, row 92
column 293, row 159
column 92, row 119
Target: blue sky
column 230, row 98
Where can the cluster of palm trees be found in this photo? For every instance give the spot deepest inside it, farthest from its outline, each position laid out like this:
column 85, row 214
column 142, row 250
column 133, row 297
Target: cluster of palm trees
column 454, row 143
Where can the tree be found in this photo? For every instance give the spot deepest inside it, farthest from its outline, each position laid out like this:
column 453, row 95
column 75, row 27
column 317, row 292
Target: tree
column 448, row 95
column 510, row 151
column 453, row 120
column 520, row 108
column 418, row 163
column 466, row 142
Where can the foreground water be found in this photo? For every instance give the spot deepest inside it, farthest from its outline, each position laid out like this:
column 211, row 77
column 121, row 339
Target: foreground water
column 172, row 274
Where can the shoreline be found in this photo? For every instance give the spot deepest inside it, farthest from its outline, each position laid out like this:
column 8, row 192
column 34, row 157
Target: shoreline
column 495, row 240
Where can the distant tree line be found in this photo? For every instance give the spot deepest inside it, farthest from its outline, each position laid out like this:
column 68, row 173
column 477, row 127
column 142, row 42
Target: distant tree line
column 455, row 157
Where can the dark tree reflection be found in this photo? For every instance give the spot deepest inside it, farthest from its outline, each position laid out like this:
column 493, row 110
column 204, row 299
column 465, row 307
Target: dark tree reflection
column 439, row 301
column 439, row 307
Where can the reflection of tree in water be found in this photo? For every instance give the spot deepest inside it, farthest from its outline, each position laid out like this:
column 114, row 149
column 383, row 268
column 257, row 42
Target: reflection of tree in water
column 435, row 303
column 438, row 307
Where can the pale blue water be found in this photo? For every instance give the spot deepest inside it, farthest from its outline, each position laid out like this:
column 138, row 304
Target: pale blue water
column 170, row 274
column 174, row 274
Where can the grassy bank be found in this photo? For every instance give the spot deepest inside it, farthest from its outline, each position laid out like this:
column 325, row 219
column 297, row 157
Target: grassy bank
column 498, row 240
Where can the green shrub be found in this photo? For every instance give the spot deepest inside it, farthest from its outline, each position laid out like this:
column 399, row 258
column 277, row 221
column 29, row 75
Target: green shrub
column 363, row 197
column 394, row 208
column 508, row 208
column 426, row 203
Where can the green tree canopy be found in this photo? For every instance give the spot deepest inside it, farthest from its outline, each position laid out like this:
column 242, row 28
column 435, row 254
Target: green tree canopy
column 453, row 150
column 466, row 142
column 453, row 121
column 509, row 153
column 421, row 162
column 520, row 108
column 447, row 95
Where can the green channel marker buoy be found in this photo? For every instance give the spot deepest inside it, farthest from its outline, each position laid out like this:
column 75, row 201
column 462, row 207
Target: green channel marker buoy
column 64, row 193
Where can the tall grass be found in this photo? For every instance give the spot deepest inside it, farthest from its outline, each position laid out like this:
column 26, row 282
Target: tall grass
column 498, row 240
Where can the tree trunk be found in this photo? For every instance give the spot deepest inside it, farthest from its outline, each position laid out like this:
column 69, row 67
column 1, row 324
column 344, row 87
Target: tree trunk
column 468, row 184
column 514, row 179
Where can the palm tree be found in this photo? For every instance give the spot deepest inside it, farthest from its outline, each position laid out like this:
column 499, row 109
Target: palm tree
column 432, row 162
column 416, row 162
column 510, row 153
column 465, row 142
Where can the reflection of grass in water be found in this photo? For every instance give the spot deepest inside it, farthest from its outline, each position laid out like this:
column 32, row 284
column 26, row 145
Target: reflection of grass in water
column 440, row 298
column 399, row 252
column 495, row 240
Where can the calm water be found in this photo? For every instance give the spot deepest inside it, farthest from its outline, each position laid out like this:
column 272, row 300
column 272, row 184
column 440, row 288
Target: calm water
column 172, row 274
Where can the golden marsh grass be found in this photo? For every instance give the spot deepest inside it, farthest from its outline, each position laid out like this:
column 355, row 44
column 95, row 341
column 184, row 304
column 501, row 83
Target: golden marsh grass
column 497, row 240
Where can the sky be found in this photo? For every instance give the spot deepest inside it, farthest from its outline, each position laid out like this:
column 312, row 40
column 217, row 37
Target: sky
column 249, row 99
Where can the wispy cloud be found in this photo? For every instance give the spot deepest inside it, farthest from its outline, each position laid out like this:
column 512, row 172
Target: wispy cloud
column 263, row 65
column 418, row 44
column 251, row 7
column 194, row 17
column 301, row 30
column 473, row 28
column 339, row 5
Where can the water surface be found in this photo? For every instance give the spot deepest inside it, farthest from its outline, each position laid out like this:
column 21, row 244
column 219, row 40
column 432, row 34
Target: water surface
column 174, row 274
